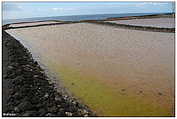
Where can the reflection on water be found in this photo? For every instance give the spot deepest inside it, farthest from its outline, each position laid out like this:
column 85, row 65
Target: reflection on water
column 114, row 71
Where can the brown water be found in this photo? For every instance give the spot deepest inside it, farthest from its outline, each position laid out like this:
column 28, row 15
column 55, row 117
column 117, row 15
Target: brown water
column 116, row 72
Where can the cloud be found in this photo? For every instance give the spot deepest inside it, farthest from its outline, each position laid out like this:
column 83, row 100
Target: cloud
column 62, row 9
column 11, row 7
column 151, row 3
column 56, row 9
column 20, row 7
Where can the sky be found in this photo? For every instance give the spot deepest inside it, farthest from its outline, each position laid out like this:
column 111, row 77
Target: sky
column 18, row 10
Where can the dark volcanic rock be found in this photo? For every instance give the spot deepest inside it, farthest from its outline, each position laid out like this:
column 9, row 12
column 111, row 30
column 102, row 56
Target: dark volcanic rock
column 29, row 113
column 25, row 105
column 31, row 93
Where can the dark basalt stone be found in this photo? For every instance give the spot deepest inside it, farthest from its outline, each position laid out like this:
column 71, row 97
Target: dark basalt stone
column 26, row 105
column 31, row 92
column 29, row 113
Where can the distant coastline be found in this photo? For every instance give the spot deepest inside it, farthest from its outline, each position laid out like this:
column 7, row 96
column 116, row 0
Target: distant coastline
column 79, row 17
column 106, row 21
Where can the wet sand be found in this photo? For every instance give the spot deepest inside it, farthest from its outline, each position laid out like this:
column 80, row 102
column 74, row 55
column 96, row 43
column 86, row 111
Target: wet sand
column 116, row 72
column 155, row 22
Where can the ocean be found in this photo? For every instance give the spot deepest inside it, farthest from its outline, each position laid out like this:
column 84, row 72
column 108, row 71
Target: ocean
column 74, row 17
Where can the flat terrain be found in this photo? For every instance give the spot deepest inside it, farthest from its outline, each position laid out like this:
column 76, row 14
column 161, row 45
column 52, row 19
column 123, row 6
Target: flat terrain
column 116, row 72
column 152, row 22
column 33, row 23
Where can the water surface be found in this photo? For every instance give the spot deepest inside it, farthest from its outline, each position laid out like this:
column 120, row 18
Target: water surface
column 116, row 72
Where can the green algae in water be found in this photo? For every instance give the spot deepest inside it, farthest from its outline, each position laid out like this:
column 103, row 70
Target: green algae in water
column 103, row 99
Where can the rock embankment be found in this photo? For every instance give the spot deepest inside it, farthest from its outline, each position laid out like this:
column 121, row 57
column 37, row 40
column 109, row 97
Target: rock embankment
column 30, row 93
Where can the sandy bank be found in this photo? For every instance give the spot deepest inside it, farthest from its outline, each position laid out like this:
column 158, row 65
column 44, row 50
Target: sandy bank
column 155, row 22
column 33, row 23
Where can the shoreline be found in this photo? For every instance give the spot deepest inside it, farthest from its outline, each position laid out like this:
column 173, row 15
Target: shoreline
column 29, row 91
column 133, row 27
column 103, row 22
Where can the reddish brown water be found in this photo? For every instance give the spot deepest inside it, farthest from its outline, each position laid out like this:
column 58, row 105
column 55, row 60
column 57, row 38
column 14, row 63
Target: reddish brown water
column 116, row 72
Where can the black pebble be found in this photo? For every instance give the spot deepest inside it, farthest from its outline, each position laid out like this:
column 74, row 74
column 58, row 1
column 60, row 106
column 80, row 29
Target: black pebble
column 159, row 93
